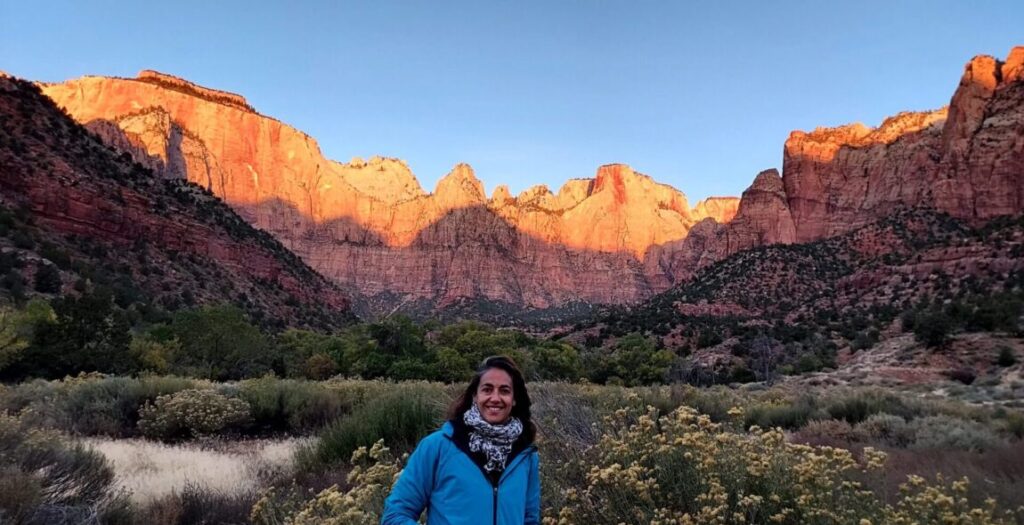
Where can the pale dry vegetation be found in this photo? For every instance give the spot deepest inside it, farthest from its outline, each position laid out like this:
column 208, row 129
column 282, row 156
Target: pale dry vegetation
column 327, row 452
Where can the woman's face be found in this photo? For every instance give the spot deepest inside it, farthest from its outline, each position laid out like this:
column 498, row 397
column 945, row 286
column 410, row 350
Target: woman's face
column 494, row 397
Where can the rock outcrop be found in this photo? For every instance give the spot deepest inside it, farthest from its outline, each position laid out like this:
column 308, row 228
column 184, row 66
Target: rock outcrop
column 967, row 160
column 763, row 216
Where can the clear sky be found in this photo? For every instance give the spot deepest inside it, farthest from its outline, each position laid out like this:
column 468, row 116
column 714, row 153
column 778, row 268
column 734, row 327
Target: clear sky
column 699, row 95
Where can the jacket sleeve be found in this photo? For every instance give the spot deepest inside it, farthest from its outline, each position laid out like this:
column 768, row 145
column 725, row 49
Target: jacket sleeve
column 411, row 492
column 533, row 493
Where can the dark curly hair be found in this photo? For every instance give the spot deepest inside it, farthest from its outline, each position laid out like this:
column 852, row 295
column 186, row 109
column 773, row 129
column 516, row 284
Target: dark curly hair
column 520, row 410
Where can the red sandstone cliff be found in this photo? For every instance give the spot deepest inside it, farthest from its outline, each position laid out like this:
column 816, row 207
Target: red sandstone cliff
column 170, row 239
column 967, row 161
column 616, row 238
column 369, row 226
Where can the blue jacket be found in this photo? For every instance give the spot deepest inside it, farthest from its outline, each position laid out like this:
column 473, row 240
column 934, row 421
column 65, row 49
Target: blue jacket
column 442, row 478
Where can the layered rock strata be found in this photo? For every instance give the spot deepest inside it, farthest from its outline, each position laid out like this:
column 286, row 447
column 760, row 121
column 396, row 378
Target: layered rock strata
column 618, row 237
column 967, row 160
column 75, row 188
column 369, row 226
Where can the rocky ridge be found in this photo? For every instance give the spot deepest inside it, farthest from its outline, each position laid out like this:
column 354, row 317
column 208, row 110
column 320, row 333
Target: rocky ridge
column 617, row 238
column 103, row 219
column 369, row 226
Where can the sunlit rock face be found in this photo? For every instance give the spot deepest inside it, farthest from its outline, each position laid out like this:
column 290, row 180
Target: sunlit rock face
column 617, row 237
column 78, row 192
column 967, row 160
column 368, row 225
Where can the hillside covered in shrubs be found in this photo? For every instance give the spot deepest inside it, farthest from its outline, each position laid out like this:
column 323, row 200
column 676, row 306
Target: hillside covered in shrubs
column 79, row 218
column 785, row 309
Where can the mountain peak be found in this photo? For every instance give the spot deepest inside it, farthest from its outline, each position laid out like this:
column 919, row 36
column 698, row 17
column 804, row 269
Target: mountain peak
column 614, row 178
column 1013, row 68
column 460, row 188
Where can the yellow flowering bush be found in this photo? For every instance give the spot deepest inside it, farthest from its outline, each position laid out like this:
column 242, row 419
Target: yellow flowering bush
column 939, row 503
column 374, row 471
column 682, row 468
column 191, row 413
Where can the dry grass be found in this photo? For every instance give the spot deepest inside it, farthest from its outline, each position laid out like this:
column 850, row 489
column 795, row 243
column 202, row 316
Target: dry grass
column 154, row 470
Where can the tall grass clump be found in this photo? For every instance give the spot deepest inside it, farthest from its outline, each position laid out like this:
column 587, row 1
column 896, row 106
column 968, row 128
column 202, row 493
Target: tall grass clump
column 109, row 406
column 196, row 503
column 44, row 475
column 788, row 414
column 89, row 404
column 296, row 406
column 400, row 417
column 857, row 406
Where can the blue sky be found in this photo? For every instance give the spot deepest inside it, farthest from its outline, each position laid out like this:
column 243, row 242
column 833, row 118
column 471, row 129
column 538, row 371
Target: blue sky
column 699, row 95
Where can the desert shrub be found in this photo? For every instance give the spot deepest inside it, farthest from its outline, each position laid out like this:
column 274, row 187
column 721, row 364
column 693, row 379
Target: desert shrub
column 37, row 397
column 401, row 416
column 374, row 470
column 857, row 406
column 922, row 502
column 942, row 431
column 1014, row 424
column 287, row 405
column 715, row 401
column 191, row 413
column 89, row 404
column 43, row 472
column 684, row 469
column 963, row 375
column 106, row 406
column 1006, row 357
column 933, row 328
column 829, row 432
column 20, row 494
column 786, row 414
column 47, row 279
column 887, row 428
column 195, row 503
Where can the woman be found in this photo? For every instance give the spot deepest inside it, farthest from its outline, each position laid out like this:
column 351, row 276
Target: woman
column 481, row 467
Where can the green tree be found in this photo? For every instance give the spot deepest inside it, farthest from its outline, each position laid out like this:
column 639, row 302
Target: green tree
column 295, row 349
column 395, row 347
column 218, row 342
column 452, row 367
column 47, row 279
column 320, row 367
column 933, row 327
column 15, row 333
column 84, row 334
column 553, row 360
column 637, row 361
column 154, row 355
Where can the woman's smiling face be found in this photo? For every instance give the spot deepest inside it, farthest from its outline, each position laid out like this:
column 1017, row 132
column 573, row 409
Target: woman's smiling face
column 495, row 396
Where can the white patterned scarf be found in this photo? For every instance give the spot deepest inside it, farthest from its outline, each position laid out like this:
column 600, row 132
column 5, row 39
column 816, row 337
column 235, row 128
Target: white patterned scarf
column 495, row 441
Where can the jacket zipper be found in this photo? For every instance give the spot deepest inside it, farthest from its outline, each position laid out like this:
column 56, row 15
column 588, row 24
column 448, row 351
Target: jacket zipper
column 494, row 486
column 519, row 459
column 495, row 507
